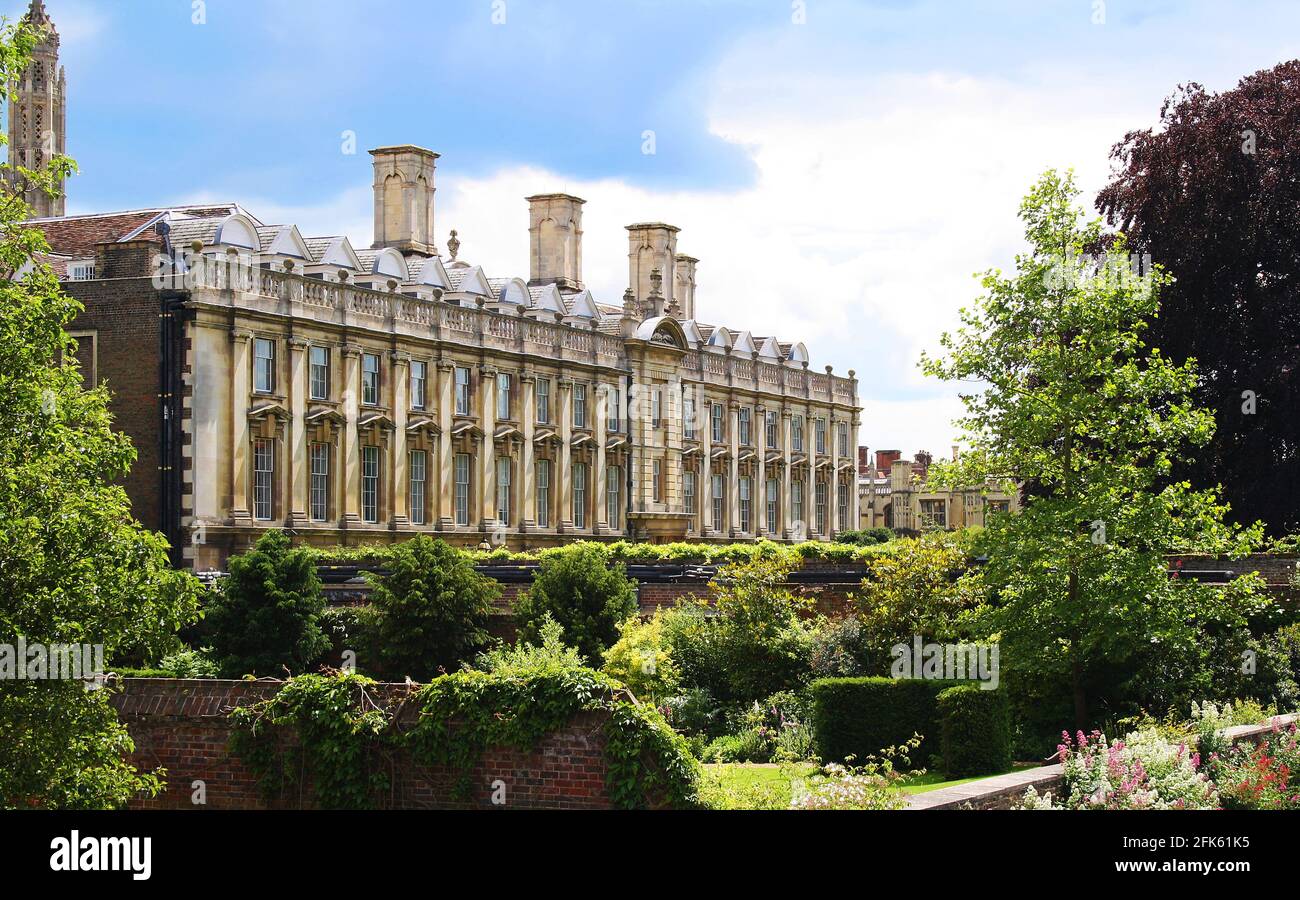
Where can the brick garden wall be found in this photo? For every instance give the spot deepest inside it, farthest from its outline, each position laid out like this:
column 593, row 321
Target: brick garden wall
column 182, row 726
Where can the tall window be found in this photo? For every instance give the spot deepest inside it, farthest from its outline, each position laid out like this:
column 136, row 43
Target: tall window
column 543, row 497
column 770, row 429
column 821, row 506
column 418, row 474
column 370, row 484
column 503, row 395
column 263, row 478
column 796, row 434
column 419, row 384
column 320, row 373
column 718, row 492
column 745, row 482
column 772, row 495
column 842, row 435
column 934, row 513
column 746, row 434
column 656, row 408
column 688, row 415
column 796, row 504
column 613, row 496
column 320, row 482
column 370, row 379
column 263, row 365
column 542, row 393
column 820, row 424
column 718, row 430
column 462, row 391
column 461, row 489
column 657, row 481
column 579, row 406
column 614, row 412
column 579, row 495
column 842, row 501
column 688, row 497
column 503, row 489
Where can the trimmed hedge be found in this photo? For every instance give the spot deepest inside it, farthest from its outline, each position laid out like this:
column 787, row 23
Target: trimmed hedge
column 859, row 717
column 627, row 552
column 975, row 731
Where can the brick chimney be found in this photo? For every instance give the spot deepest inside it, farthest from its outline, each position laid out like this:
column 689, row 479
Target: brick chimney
column 864, row 462
column 555, row 240
column 403, row 192
column 885, row 459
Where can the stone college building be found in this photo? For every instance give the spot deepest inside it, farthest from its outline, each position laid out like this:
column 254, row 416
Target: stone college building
column 273, row 379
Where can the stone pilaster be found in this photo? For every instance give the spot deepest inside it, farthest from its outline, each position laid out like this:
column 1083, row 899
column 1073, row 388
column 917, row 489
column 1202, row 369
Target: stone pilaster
column 239, row 434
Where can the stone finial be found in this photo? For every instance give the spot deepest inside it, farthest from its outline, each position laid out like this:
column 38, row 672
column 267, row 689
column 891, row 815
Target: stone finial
column 629, row 304
column 656, row 283
column 453, row 245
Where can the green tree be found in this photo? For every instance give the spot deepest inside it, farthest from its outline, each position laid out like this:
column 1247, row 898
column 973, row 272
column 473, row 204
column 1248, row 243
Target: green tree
column 432, row 608
column 1076, row 408
column 923, row 588
column 75, row 568
column 581, row 591
column 266, row 617
column 642, row 659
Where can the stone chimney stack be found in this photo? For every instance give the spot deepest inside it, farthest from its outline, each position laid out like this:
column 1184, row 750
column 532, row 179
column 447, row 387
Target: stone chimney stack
column 403, row 192
column 555, row 240
column 685, row 289
column 652, row 246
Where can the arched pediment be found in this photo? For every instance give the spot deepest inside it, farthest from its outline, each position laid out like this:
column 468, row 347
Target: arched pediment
column 238, row 230
column 720, row 339
column 390, row 264
column 663, row 330
column 514, row 293
column 798, row 354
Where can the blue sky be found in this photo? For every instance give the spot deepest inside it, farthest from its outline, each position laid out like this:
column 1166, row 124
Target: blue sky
column 840, row 168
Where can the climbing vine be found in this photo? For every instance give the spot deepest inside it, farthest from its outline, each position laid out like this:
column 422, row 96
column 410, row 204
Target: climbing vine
column 461, row 715
column 339, row 735
column 323, row 729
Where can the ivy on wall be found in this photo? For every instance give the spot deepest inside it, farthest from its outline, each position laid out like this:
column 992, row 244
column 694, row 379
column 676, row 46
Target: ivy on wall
column 327, row 731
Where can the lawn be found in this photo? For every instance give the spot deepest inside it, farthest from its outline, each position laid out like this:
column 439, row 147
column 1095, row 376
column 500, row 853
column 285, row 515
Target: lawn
column 770, row 785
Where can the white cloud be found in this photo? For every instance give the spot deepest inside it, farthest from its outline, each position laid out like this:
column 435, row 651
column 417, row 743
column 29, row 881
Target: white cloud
column 874, row 204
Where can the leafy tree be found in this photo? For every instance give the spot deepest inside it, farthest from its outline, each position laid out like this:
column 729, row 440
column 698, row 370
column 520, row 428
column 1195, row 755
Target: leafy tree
column 266, row 617
column 1213, row 195
column 920, row 589
column 642, row 659
column 1090, row 418
column 755, row 640
column 581, row 591
column 75, row 568
column 432, row 609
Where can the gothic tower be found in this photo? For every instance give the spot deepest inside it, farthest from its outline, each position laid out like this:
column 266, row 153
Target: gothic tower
column 37, row 116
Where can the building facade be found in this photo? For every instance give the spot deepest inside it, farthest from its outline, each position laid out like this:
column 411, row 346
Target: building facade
column 271, row 379
column 894, row 494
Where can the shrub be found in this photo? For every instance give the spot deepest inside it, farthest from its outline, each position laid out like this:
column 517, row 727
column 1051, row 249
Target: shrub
column 1145, row 770
column 866, row 537
column 353, row 635
column 265, row 618
column 1265, row 776
column 189, row 663
column 579, row 589
column 975, row 729
column 857, row 716
column 432, row 609
column 695, row 712
column 841, row 649
column 642, row 660
column 747, row 746
column 551, row 654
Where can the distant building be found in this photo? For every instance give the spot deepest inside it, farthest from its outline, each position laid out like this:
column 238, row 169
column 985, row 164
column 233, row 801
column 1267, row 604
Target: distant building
column 38, row 115
column 893, row 493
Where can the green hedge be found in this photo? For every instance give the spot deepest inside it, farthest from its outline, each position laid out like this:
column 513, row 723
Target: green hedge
column 975, row 731
column 859, row 717
column 627, row 552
